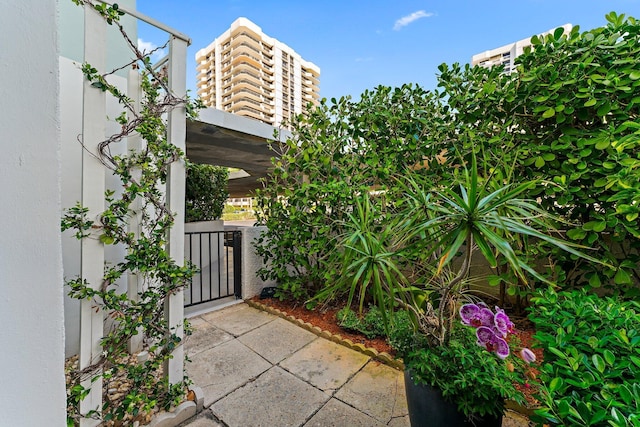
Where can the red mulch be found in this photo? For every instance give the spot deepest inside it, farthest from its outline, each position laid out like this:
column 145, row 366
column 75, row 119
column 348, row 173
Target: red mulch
column 325, row 318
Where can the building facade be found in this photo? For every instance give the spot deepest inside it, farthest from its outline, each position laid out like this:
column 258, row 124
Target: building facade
column 248, row 73
column 506, row 55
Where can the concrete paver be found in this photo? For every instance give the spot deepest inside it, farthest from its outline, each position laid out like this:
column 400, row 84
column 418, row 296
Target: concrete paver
column 238, row 319
column 325, row 364
column 276, row 398
column 378, row 391
column 204, row 337
column 277, row 340
column 222, row 369
column 205, row 419
column 338, row 414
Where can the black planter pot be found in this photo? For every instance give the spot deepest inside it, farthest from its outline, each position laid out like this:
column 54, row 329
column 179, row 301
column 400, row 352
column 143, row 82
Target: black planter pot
column 427, row 408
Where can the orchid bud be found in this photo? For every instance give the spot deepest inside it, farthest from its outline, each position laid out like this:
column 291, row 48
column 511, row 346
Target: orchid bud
column 527, row 355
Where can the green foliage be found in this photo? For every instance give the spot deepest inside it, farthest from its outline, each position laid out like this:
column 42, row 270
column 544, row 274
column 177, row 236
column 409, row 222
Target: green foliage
column 591, row 370
column 75, row 218
column 569, row 116
column 206, row 192
column 425, row 229
column 141, row 173
column 585, row 158
column 402, row 334
column 339, row 150
column 371, row 325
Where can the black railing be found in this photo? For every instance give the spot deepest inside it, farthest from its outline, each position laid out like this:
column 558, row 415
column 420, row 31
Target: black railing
column 218, row 258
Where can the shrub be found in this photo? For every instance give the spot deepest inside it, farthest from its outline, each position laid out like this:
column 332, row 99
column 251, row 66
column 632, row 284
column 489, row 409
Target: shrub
column 206, row 192
column 591, row 374
column 341, row 149
column 569, row 116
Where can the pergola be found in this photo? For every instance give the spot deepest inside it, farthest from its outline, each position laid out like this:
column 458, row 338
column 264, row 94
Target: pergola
column 225, row 139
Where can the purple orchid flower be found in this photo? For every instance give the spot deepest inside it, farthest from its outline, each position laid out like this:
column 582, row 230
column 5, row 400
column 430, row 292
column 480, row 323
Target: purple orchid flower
column 475, row 315
column 502, row 323
column 492, row 342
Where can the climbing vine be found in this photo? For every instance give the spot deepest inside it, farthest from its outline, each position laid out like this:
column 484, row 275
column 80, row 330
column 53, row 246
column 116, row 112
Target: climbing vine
column 141, row 386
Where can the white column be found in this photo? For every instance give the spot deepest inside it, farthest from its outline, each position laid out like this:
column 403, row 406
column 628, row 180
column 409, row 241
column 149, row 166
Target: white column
column 93, row 175
column 177, row 129
column 32, row 391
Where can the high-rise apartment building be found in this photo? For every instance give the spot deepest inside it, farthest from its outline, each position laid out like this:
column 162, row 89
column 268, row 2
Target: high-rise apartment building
column 248, row 73
column 507, row 54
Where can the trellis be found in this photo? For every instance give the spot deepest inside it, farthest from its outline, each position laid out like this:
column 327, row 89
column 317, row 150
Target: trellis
column 93, row 191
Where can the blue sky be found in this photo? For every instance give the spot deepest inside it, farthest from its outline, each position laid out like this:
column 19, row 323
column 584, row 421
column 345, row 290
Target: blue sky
column 361, row 44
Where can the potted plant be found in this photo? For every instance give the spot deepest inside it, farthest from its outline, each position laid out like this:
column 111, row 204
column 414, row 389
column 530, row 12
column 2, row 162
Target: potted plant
column 402, row 257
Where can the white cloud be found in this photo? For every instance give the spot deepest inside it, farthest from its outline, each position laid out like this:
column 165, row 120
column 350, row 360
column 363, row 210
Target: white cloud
column 406, row 20
column 147, row 47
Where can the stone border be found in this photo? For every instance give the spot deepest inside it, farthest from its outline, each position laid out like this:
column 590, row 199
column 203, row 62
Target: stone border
column 184, row 411
column 383, row 357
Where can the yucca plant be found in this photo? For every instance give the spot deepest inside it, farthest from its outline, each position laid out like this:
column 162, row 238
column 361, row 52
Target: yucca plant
column 448, row 223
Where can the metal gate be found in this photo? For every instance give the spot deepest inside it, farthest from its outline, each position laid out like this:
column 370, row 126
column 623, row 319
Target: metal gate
column 217, row 255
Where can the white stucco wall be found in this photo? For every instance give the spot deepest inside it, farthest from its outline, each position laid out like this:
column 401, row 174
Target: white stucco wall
column 32, row 391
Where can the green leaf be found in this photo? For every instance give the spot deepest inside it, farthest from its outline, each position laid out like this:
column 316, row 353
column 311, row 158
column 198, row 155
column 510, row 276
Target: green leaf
column 107, row 240
column 539, row 162
column 563, row 408
column 555, row 384
column 602, row 144
column 576, row 234
column 549, row 113
column 598, row 362
column 609, row 357
column 622, row 277
column 557, row 34
column 557, row 352
column 591, row 102
column 489, row 88
column 625, row 394
column 604, row 109
column 634, row 75
column 594, row 281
